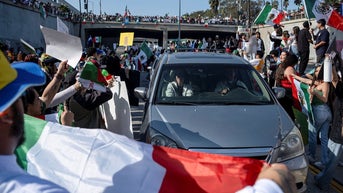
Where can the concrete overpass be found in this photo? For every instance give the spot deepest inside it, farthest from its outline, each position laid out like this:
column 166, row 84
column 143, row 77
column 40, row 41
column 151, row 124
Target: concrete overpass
column 110, row 31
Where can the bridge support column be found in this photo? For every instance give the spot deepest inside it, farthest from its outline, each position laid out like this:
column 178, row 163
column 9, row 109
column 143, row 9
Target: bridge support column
column 83, row 37
column 165, row 37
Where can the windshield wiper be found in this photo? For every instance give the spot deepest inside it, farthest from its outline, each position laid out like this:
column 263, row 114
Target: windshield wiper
column 177, row 103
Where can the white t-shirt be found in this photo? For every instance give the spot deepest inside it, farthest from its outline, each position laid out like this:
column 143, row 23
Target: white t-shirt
column 262, row 186
column 13, row 179
column 271, row 43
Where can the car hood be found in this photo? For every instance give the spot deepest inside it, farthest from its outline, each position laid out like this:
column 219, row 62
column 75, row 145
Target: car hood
column 221, row 126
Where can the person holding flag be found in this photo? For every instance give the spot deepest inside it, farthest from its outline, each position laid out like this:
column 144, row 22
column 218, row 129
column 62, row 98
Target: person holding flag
column 319, row 96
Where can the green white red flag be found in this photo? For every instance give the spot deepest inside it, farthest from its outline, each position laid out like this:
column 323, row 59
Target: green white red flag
column 269, row 16
column 300, row 93
column 319, row 9
column 91, row 77
column 145, row 53
column 96, row 160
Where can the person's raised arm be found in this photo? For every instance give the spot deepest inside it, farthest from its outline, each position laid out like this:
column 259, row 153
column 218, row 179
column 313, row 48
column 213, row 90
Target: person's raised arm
column 52, row 88
column 63, row 95
column 301, row 79
column 91, row 99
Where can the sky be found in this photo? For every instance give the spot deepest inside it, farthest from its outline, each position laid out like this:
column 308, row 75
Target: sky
column 144, row 7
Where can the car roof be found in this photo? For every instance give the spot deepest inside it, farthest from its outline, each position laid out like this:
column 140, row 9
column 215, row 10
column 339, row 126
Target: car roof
column 203, row 58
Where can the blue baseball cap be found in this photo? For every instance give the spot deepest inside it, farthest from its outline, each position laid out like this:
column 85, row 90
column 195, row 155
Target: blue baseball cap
column 99, row 51
column 16, row 78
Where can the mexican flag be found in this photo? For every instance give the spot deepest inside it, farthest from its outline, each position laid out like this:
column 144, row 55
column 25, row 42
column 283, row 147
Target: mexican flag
column 96, row 160
column 91, row 77
column 97, row 39
column 145, row 53
column 269, row 16
column 301, row 94
column 319, row 9
column 308, row 8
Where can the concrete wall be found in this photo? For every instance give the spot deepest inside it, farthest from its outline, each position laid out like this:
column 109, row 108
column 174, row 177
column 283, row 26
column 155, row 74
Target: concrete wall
column 21, row 22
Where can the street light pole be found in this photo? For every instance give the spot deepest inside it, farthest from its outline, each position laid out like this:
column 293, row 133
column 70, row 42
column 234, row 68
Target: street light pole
column 80, row 20
column 249, row 13
column 179, row 37
column 100, row 6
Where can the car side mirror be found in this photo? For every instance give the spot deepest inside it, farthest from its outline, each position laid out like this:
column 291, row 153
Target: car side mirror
column 279, row 92
column 141, row 93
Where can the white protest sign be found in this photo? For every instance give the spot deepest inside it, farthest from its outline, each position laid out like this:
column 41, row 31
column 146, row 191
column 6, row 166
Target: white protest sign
column 61, row 26
column 62, row 46
column 116, row 112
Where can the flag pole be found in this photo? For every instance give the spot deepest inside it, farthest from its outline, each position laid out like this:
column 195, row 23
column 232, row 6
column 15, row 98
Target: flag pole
column 308, row 18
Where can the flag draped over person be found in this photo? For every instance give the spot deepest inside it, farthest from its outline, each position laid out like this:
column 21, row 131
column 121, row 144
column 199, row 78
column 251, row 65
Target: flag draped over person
column 91, row 77
column 319, row 9
column 269, row 16
column 96, row 160
column 145, row 53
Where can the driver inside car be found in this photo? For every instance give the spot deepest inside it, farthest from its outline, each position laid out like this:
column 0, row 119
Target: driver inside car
column 178, row 87
column 230, row 82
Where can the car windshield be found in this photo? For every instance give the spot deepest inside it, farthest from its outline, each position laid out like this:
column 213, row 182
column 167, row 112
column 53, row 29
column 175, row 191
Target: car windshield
column 217, row 84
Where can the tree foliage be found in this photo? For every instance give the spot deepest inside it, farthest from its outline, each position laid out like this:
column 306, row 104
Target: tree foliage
column 214, row 4
column 232, row 8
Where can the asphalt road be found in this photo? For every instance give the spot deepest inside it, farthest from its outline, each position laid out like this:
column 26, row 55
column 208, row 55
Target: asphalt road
column 336, row 185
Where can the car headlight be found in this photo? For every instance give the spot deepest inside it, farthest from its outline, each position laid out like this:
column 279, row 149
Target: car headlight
column 291, row 146
column 156, row 138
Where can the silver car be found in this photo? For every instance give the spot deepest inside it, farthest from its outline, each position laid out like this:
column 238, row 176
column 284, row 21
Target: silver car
column 218, row 103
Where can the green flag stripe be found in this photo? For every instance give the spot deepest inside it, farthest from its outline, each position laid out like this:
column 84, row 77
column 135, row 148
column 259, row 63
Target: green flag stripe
column 262, row 17
column 308, row 5
column 90, row 72
column 32, row 131
column 304, row 88
column 146, row 50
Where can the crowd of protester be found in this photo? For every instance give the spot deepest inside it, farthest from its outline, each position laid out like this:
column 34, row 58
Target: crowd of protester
column 91, row 17
column 286, row 60
column 64, row 12
column 77, row 105
column 282, row 66
column 50, row 8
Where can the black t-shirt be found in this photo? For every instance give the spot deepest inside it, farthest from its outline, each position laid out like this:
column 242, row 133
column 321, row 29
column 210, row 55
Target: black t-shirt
column 323, row 35
column 303, row 40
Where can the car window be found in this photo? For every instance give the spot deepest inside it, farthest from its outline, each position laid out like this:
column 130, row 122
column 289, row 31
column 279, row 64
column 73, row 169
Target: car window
column 210, row 84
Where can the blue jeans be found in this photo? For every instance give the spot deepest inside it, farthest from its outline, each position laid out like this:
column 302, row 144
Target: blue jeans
column 322, row 120
column 324, row 177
